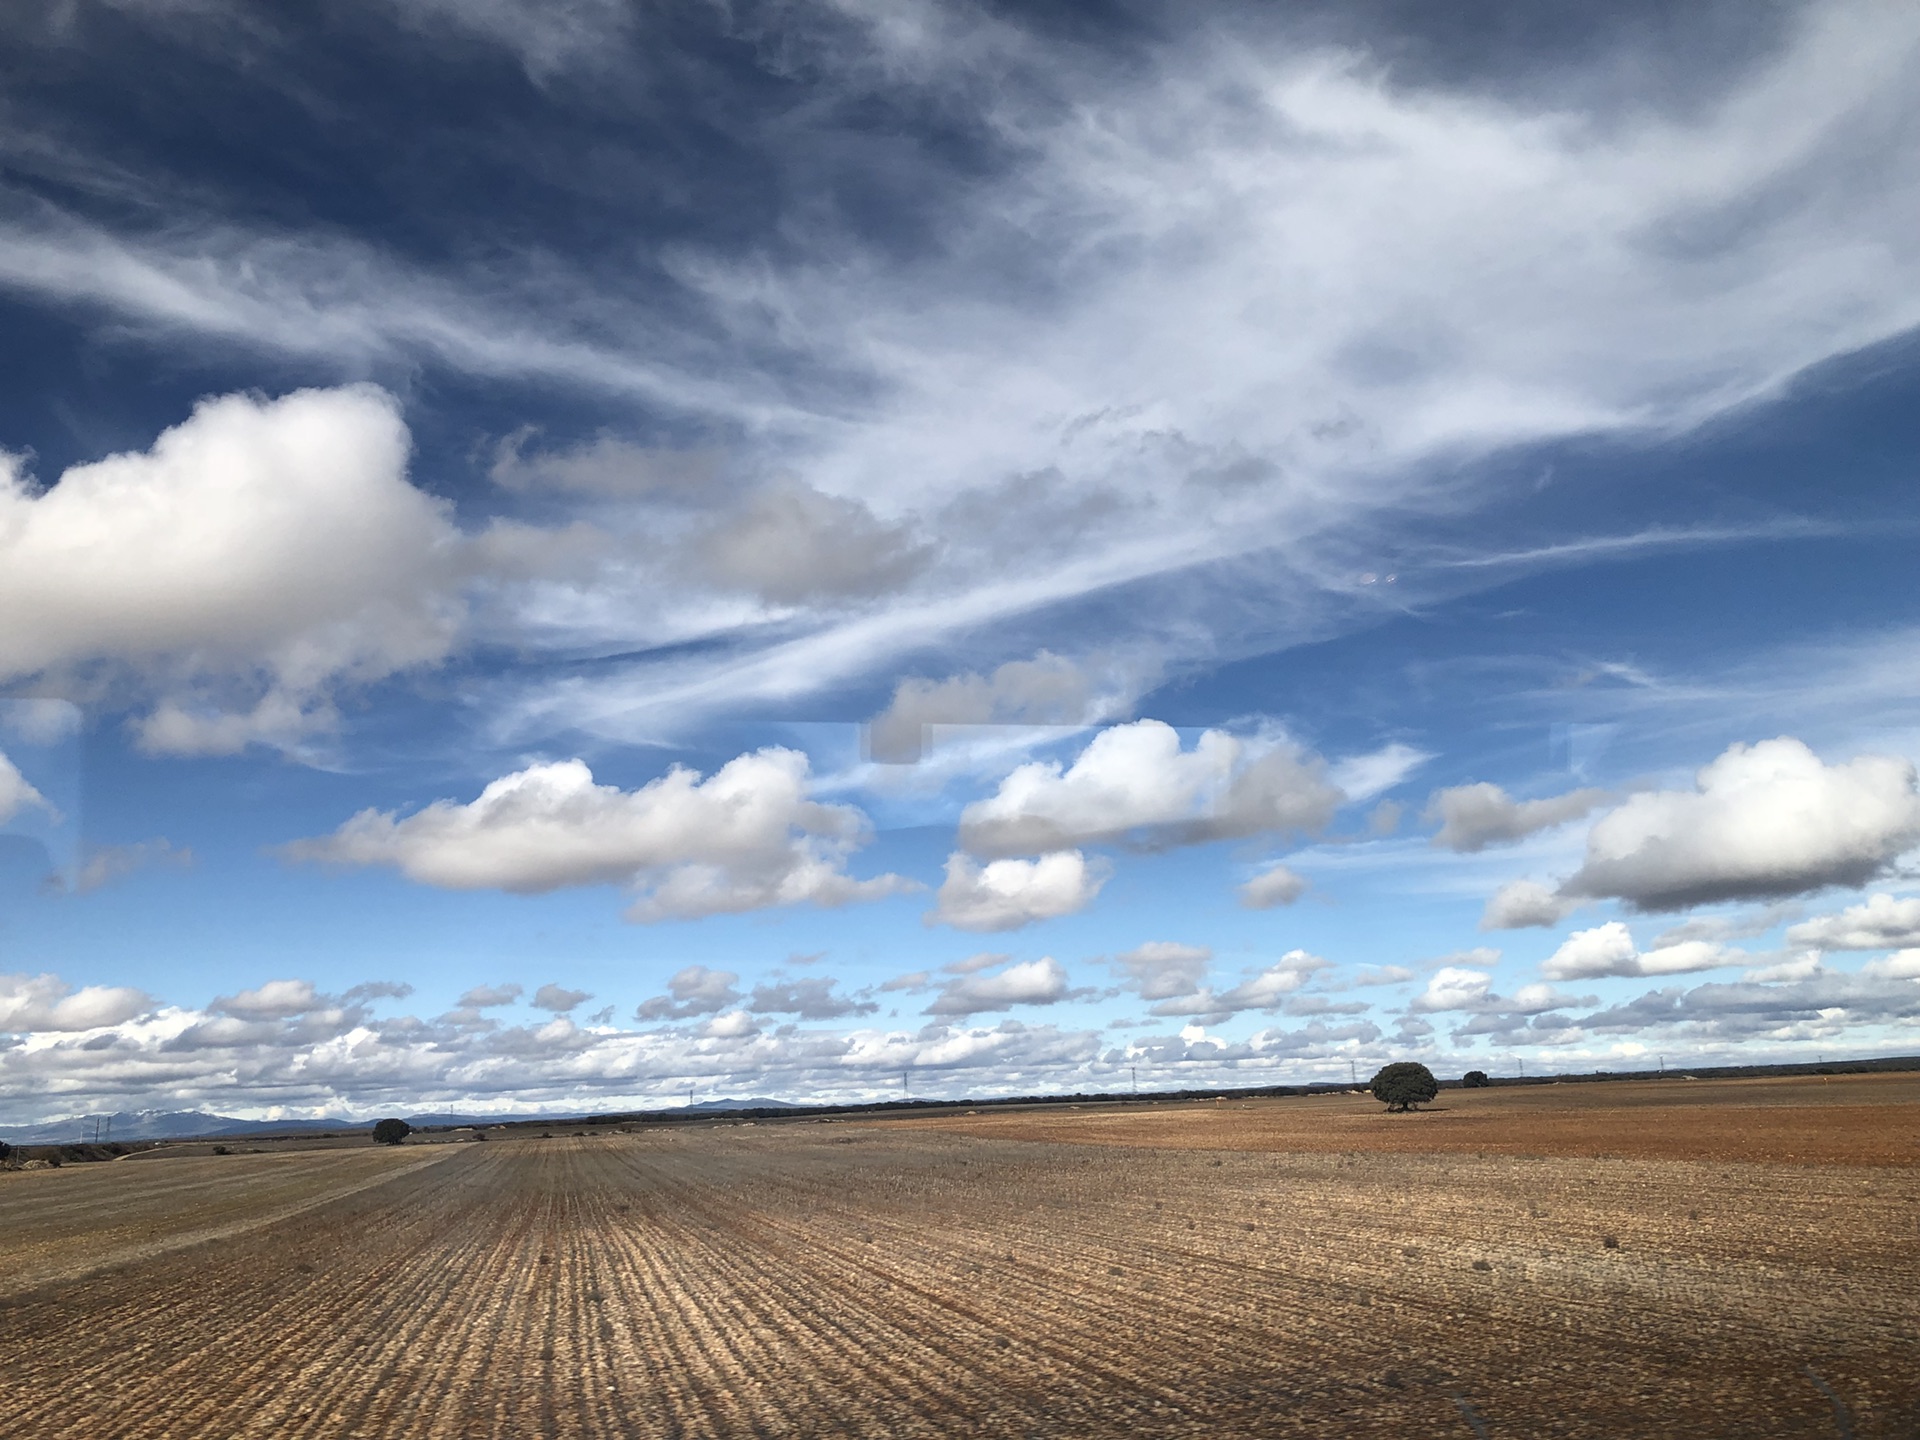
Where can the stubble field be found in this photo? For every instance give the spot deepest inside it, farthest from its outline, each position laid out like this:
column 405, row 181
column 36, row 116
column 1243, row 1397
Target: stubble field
column 1287, row 1267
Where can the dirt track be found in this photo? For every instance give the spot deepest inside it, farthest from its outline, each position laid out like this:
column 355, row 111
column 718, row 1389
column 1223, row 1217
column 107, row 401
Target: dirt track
column 849, row 1279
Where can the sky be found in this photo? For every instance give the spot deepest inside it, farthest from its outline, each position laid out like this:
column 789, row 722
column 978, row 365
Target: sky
column 579, row 555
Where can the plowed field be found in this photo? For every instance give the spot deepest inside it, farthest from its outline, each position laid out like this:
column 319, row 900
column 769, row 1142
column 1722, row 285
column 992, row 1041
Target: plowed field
column 858, row 1279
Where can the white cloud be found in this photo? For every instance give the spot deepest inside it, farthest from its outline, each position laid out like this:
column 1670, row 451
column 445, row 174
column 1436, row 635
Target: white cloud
column 1361, row 777
column 1881, row 923
column 558, row 998
column 733, row 1025
column 1046, row 690
column 1901, row 965
column 1520, row 904
column 275, row 1000
column 694, row 990
column 39, row 721
column 1764, row 820
column 15, row 793
column 1233, row 295
column 261, row 553
column 1454, row 988
column 811, row 998
column 1457, row 987
column 1008, row 894
column 791, row 545
column 41, row 1003
column 745, row 838
column 1609, row 949
column 1163, row 969
column 1473, row 817
column 1135, row 781
column 1276, row 885
column 1031, row 982
column 1800, row 967
column 489, row 997
column 1267, row 990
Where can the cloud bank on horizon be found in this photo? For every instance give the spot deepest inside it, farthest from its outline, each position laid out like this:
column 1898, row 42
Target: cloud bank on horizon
column 735, row 511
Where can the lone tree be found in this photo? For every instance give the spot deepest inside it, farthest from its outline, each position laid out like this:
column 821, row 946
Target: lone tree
column 1475, row 1079
column 391, row 1132
column 1404, row 1085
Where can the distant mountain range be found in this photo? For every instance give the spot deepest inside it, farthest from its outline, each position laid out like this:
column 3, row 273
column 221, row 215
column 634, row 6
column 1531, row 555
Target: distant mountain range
column 199, row 1125
column 153, row 1125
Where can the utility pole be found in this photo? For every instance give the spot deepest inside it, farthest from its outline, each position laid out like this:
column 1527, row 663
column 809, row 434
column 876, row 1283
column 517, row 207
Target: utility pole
column 690, row 1094
column 905, row 1093
column 1353, row 1074
column 1136, row 1078
column 1523, row 1066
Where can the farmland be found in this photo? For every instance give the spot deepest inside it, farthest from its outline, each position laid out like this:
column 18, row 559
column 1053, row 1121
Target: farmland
column 1507, row 1264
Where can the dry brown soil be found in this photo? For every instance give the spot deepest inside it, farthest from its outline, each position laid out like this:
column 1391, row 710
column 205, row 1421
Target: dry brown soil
column 1106, row 1278
column 1813, row 1120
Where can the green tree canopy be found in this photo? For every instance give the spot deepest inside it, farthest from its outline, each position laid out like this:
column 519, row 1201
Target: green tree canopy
column 391, row 1132
column 1474, row 1079
column 1403, row 1085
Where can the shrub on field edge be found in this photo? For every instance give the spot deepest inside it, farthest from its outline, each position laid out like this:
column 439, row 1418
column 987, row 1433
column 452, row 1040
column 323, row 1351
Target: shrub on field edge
column 1403, row 1085
column 1475, row 1079
column 391, row 1132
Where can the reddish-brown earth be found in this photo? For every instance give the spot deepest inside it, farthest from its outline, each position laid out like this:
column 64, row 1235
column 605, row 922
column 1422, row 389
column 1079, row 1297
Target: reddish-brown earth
column 1109, row 1277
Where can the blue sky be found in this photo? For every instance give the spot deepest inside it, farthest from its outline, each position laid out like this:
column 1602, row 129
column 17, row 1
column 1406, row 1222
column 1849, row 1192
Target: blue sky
column 551, row 554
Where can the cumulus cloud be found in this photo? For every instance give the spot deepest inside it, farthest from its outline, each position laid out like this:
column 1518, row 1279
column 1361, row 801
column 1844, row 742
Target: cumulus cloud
column 1383, row 975
column 1136, row 782
column 1163, row 969
column 1520, row 904
column 694, row 990
column 558, row 998
column 16, row 794
column 1046, row 690
column 1609, row 949
column 1009, row 894
column 1764, row 820
column 1901, row 965
column 275, row 1000
column 812, row 998
column 1800, row 967
column 1472, row 817
column 1269, row 989
column 1274, row 886
column 40, row 1003
column 40, row 721
column 262, row 552
column 791, row 545
column 1820, row 1006
column 488, row 997
column 1029, row 982
column 1881, row 923
column 746, row 838
column 605, row 467
column 1454, row 988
